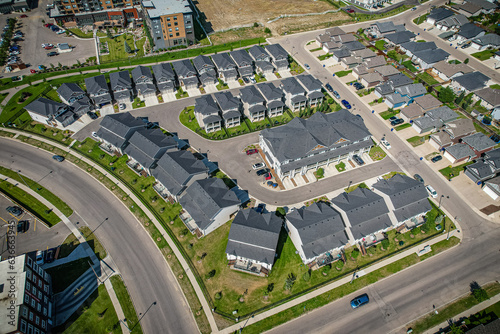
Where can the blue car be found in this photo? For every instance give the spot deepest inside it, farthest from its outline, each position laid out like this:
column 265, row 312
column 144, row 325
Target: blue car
column 346, row 104
column 360, row 301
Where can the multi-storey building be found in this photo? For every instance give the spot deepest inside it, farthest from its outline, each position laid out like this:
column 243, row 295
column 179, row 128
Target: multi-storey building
column 170, row 22
column 25, row 297
column 99, row 12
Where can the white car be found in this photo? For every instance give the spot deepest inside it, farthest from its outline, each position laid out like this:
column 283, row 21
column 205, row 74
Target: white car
column 252, row 80
column 94, row 134
column 385, row 143
column 431, row 191
column 259, row 165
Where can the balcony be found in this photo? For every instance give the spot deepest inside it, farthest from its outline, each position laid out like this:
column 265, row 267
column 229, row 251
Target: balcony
column 248, row 267
column 135, row 166
column 161, row 190
column 374, row 239
column 188, row 221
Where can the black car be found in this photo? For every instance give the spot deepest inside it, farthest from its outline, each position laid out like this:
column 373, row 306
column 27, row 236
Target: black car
column 49, row 256
column 92, row 115
column 358, row 86
column 397, row 121
column 15, row 210
column 245, row 79
column 329, row 87
column 51, row 54
column 260, row 208
column 58, row 158
column 23, row 226
column 418, row 178
column 437, row 158
column 358, row 160
column 262, row 171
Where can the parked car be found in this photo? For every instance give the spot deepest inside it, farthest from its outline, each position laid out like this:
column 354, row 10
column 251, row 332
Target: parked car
column 32, row 71
column 49, row 47
column 23, row 226
column 94, row 134
column 329, row 87
column 358, row 160
column 51, row 54
column 465, row 46
column 346, row 104
column 259, row 165
column 245, row 79
column 418, row 178
column 59, row 158
column 307, row 66
column 92, row 115
column 360, row 301
column 358, row 86
column 252, row 151
column 62, row 31
column 431, row 191
column 260, row 207
column 385, row 143
column 15, row 210
column 262, row 171
column 437, row 158
column 393, row 118
column 252, row 80
column 268, row 176
column 48, row 25
column 47, row 44
column 350, row 10
column 336, row 94
column 39, row 257
column 49, row 256
column 397, row 121
column 270, row 183
column 23, row 16
column 122, row 106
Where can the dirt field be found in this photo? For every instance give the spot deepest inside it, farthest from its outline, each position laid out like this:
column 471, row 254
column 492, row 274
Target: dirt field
column 224, row 14
column 292, row 25
column 238, row 34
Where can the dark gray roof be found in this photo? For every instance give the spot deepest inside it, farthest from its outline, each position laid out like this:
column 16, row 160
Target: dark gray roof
column 174, row 170
column 145, row 145
column 46, row 107
column 479, row 141
column 335, row 31
column 400, row 37
column 142, row 74
column 494, row 326
column 298, row 98
column 67, row 91
column 206, row 105
column 275, row 104
column 270, row 91
column 486, row 40
column 309, row 82
column 204, row 198
column 292, row 86
column 231, row 114
column 354, row 45
column 227, row 101
column 211, row 119
column 66, row 117
column 256, row 109
column 118, row 128
column 254, row 236
column 431, row 56
column 203, row 63
column 416, row 46
column 460, row 151
column 321, row 132
column 241, row 58
column 408, row 196
column 120, row 80
column 184, row 68
column 163, row 73
column 412, row 90
column 96, row 85
column 277, row 51
column 484, row 4
column 481, row 170
column 385, row 88
column 469, row 30
column 341, row 53
column 384, row 27
column 81, row 106
column 366, row 211
column 209, row 76
column 493, row 154
column 245, row 71
column 320, row 228
column 145, row 88
column 258, row 53
column 223, row 61
column 264, row 65
column 443, row 113
column 399, row 80
column 251, row 95
column 472, row 81
column 440, row 13
column 489, row 95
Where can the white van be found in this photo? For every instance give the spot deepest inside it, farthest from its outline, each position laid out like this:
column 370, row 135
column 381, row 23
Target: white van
column 431, row 191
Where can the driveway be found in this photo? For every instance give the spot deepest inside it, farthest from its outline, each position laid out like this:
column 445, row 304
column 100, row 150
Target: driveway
column 151, row 101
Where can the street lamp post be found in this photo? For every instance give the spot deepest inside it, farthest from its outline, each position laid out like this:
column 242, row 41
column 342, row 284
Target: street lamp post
column 440, row 199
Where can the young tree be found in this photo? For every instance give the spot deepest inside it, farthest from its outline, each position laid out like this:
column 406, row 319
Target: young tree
column 127, row 47
column 466, row 61
column 290, row 281
column 446, row 95
column 267, row 30
column 108, row 33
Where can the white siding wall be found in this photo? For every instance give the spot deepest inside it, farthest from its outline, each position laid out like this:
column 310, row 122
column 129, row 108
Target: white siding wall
column 221, row 218
column 295, row 237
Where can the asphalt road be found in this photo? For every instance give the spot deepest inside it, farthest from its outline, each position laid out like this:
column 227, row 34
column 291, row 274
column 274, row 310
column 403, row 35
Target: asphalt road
column 143, row 268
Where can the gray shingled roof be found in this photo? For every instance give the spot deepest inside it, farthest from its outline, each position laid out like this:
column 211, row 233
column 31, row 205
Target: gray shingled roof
column 320, row 228
column 490, row 39
column 203, row 63
column 118, row 128
column 460, row 151
column 292, row 86
column 258, row 53
column 344, row 38
column 67, row 91
column 120, row 80
column 223, row 61
column 431, row 56
column 427, row 101
column 384, row 27
column 96, row 85
column 309, row 82
column 276, row 51
column 490, row 95
column 270, row 91
column 342, row 53
column 206, row 105
column 469, row 30
column 251, row 95
column 299, row 137
column 227, row 101
column 385, row 88
column 399, row 80
column 375, row 61
column 412, row 90
column 254, row 236
column 184, row 68
column 456, row 20
column 443, row 113
column 416, row 46
column 174, row 170
column 366, row 211
column 335, row 31
column 460, row 127
column 408, row 196
column 472, row 81
column 400, row 37
column 427, row 122
column 351, row 60
column 412, row 111
column 142, row 74
column 241, row 58
column 163, row 73
column 480, row 170
column 145, row 145
column 479, row 141
column 204, row 198
column 354, row 45
column 145, row 88
column 46, row 107
column 440, row 13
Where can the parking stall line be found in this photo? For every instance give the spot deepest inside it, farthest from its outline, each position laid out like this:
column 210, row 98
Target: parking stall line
column 13, row 216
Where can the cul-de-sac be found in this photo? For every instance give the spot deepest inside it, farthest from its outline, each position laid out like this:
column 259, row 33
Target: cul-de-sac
column 265, row 166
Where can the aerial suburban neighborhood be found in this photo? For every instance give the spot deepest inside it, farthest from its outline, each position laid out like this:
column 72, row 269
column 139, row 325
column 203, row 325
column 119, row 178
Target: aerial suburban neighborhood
column 216, row 166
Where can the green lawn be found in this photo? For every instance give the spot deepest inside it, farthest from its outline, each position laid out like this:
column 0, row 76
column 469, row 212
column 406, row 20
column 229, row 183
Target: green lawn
column 68, row 245
column 353, row 187
column 402, row 126
column 388, row 114
column 65, row 274
column 495, row 86
column 138, row 103
column 3, row 96
column 97, row 315
column 260, row 78
column 483, row 55
column 454, row 170
column 417, row 140
column 409, row 65
column 93, row 242
column 126, row 304
column 77, row 32
column 427, row 78
column 181, row 94
column 325, row 56
column 260, row 125
column 227, row 181
column 421, row 19
column 340, row 167
column 341, row 74
column 487, row 315
column 279, row 120
column 56, row 201
column 187, row 119
column 222, row 85
column 317, row 49
column 295, row 68
column 377, row 153
column 116, row 47
column 380, row 44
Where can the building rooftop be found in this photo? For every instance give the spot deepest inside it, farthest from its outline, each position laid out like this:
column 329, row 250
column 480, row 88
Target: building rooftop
column 251, row 95
column 400, row 37
column 478, row 141
column 451, row 69
column 440, row 13
column 443, row 113
column 427, row 102
column 157, row 8
column 472, row 81
column 460, row 127
column 412, row 111
column 227, row 101
column 489, row 95
column 460, row 151
column 469, row 30
column 270, row 91
column 387, row 70
column 145, row 144
column 431, row 56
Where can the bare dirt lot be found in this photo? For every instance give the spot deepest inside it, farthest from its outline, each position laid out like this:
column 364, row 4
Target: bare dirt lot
column 225, row 14
column 292, row 25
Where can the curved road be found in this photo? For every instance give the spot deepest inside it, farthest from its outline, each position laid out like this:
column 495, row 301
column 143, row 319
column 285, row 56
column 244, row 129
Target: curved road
column 142, row 266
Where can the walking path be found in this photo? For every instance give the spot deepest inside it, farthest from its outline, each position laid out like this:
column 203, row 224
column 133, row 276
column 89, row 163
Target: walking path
column 97, row 266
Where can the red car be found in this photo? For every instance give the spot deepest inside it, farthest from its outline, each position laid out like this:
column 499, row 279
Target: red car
column 349, row 10
column 252, row 151
column 48, row 47
column 48, row 25
column 23, row 16
column 268, row 176
column 32, row 71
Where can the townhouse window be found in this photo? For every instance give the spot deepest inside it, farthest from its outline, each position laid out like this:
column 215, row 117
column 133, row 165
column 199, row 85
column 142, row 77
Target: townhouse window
column 30, row 262
column 68, row 7
column 39, row 294
column 33, row 303
column 171, row 35
column 25, row 312
column 40, row 271
column 23, row 326
column 107, row 2
column 44, row 311
column 30, row 329
column 74, row 6
column 37, row 331
column 33, row 290
column 189, row 32
column 43, row 324
column 168, row 18
column 169, row 24
column 26, row 299
column 39, row 307
column 28, row 285
column 45, row 299
column 159, row 37
column 40, row 283
column 188, row 22
column 31, row 316
column 37, row 320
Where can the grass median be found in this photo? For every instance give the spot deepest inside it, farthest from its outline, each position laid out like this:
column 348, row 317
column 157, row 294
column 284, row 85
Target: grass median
column 126, row 304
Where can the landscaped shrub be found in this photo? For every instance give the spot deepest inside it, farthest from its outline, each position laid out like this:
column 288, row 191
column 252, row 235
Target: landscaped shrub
column 307, row 276
column 320, row 172
column 218, row 295
column 385, row 243
column 290, row 281
column 355, row 253
column 210, row 274
column 326, row 269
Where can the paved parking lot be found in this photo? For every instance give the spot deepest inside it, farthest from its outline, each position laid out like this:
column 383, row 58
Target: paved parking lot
column 35, row 34
column 37, row 237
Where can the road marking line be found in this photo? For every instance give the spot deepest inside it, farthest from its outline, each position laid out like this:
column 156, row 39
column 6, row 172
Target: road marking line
column 13, row 216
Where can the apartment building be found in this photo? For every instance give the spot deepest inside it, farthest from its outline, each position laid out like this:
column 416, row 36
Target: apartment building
column 99, row 12
column 170, row 22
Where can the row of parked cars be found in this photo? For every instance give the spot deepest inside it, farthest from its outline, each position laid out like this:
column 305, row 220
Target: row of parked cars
column 45, row 256
column 336, row 94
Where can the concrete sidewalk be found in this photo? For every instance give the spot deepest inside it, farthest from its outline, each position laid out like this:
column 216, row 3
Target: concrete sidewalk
column 464, row 314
